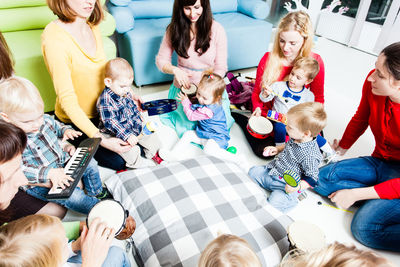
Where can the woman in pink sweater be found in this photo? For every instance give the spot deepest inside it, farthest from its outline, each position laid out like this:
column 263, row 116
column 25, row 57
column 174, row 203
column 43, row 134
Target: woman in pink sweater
column 201, row 44
column 293, row 39
column 374, row 178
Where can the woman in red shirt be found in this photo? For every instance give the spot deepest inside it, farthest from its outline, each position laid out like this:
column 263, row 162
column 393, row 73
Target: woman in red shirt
column 377, row 223
column 294, row 39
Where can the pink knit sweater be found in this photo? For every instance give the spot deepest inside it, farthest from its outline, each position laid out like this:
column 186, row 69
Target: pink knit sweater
column 215, row 57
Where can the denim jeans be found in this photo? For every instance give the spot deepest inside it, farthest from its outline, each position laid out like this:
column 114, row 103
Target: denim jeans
column 78, row 201
column 116, row 257
column 278, row 197
column 376, row 224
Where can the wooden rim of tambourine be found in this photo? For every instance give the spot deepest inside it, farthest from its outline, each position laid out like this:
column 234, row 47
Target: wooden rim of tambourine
column 160, row 106
column 306, row 236
column 112, row 207
column 191, row 90
column 259, row 127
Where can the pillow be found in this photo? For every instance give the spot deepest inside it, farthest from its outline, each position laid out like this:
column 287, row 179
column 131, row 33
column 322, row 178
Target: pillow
column 181, row 207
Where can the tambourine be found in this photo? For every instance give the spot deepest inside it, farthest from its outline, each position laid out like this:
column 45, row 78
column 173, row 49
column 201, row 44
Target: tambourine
column 259, row 127
column 111, row 212
column 305, row 236
column 291, row 178
column 160, row 106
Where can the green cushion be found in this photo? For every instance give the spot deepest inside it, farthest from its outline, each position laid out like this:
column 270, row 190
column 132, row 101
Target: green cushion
column 21, row 3
column 71, row 229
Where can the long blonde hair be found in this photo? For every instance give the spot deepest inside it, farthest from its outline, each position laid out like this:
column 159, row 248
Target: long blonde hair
column 335, row 255
column 298, row 21
column 30, row 242
column 228, row 251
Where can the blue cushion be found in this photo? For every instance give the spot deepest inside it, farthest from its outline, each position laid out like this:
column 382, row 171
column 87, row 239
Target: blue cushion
column 151, row 9
column 120, row 2
column 123, row 18
column 222, row 6
column 253, row 8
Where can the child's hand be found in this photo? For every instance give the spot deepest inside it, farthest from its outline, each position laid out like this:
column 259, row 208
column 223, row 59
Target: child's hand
column 70, row 149
column 270, row 151
column 71, row 134
column 182, row 96
column 58, row 178
column 138, row 101
column 289, row 189
column 132, row 140
column 257, row 112
column 266, row 91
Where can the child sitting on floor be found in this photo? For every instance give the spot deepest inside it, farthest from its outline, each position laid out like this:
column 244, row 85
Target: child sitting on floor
column 301, row 155
column 120, row 116
column 211, row 131
column 228, row 251
column 44, row 157
column 290, row 93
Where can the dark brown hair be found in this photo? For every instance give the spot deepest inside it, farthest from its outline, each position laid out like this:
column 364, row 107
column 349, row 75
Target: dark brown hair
column 179, row 28
column 13, row 141
column 61, row 9
column 392, row 62
column 6, row 60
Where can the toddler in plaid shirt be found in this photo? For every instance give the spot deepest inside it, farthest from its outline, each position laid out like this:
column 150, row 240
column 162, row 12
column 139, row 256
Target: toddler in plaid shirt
column 120, row 116
column 44, row 156
column 301, row 155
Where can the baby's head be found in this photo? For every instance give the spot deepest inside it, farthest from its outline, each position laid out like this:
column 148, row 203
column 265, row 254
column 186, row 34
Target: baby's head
column 210, row 89
column 118, row 76
column 34, row 240
column 306, row 120
column 303, row 72
column 228, row 251
column 21, row 104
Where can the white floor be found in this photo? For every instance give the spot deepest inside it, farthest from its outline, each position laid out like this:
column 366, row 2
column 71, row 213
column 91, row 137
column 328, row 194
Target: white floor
column 346, row 70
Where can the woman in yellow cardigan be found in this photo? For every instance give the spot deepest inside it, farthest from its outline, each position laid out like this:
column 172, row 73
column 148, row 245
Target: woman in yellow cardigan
column 73, row 52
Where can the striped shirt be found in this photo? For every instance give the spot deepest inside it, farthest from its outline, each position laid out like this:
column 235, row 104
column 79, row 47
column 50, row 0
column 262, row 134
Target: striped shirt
column 301, row 158
column 119, row 115
column 43, row 151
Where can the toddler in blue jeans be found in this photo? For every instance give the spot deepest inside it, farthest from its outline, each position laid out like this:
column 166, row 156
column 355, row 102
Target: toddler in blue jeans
column 45, row 155
column 300, row 155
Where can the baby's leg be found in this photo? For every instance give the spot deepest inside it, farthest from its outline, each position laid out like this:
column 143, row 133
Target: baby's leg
column 325, row 146
column 283, row 201
column 213, row 149
column 132, row 157
column 91, row 179
column 279, row 133
column 180, row 146
column 151, row 144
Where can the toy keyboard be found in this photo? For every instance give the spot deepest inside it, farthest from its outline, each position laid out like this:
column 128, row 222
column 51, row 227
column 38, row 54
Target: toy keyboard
column 76, row 166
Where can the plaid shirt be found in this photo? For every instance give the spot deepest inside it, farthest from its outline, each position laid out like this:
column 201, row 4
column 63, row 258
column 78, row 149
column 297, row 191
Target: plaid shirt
column 301, row 158
column 43, row 151
column 119, row 115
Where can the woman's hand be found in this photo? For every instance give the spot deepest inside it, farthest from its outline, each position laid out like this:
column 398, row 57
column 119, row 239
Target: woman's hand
column 343, row 198
column 340, row 151
column 95, row 243
column 181, row 77
column 257, row 112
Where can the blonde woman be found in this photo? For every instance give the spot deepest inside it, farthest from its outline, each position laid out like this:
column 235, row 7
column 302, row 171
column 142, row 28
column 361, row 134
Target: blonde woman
column 228, row 251
column 335, row 255
column 294, row 39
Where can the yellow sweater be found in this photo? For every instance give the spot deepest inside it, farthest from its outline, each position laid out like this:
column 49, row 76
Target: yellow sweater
column 77, row 77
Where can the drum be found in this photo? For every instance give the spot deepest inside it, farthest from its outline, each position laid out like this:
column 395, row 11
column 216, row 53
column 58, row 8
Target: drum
column 110, row 212
column 305, row 236
column 259, row 127
column 190, row 92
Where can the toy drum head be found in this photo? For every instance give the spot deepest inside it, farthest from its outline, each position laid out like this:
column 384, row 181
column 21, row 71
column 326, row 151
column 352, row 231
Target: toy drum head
column 191, row 90
column 259, row 127
column 111, row 212
column 305, row 236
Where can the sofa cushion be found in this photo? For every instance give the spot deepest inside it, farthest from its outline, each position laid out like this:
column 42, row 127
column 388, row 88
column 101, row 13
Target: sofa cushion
column 21, row 3
column 253, row 8
column 25, row 18
column 151, row 9
column 218, row 6
column 181, row 207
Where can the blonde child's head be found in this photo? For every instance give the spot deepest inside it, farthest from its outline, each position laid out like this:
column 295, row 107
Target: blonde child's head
column 309, row 65
column 228, row 251
column 335, row 255
column 34, row 240
column 309, row 118
column 210, row 88
column 21, row 104
column 118, row 76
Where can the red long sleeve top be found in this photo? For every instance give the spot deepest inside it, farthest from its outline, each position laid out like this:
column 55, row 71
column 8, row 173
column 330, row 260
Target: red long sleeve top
column 383, row 116
column 316, row 86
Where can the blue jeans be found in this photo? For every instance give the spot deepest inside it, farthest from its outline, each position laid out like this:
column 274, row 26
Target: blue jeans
column 116, row 257
column 376, row 224
column 278, row 197
column 78, row 201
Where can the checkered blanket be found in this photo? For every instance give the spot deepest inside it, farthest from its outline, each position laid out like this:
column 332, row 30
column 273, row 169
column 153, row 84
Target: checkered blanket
column 181, row 207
